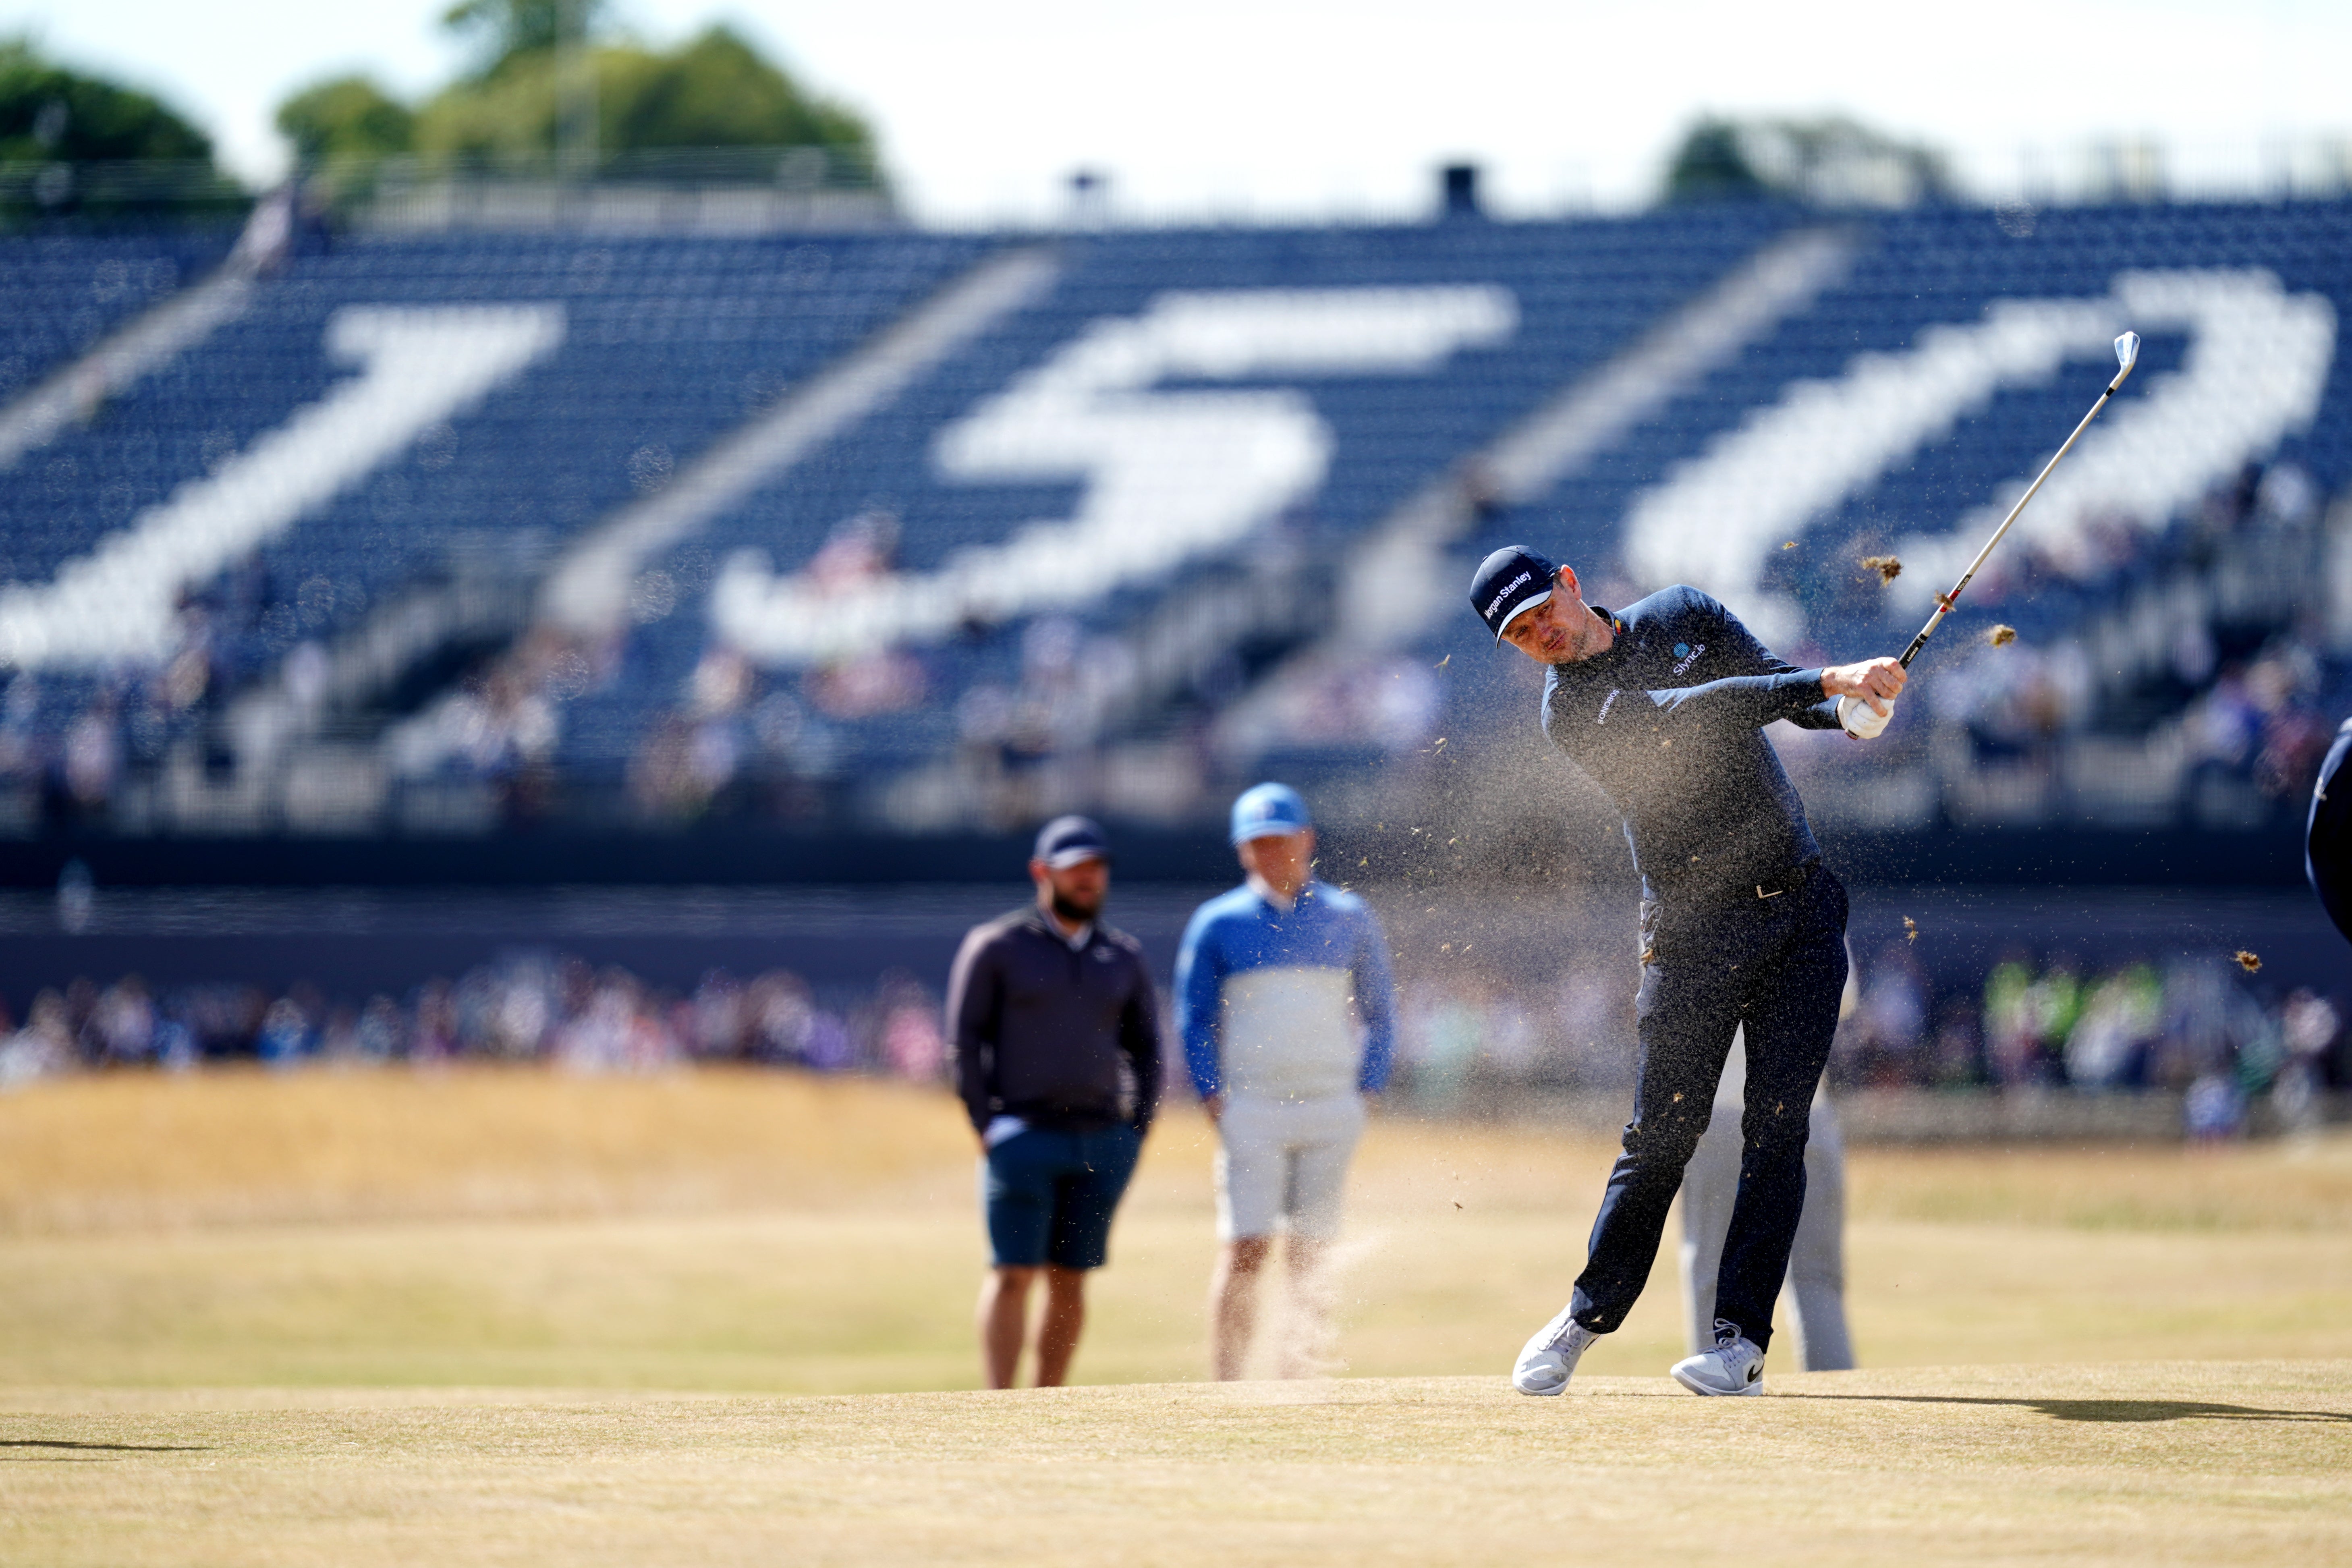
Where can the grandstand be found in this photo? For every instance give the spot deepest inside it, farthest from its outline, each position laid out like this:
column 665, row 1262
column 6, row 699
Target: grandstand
column 416, row 557
column 61, row 293
column 926, row 532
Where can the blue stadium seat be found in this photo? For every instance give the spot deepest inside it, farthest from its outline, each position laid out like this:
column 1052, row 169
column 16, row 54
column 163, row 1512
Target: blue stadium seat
column 60, row 293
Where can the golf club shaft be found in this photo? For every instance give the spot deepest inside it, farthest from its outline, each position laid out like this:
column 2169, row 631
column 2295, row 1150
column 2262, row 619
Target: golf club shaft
column 1944, row 605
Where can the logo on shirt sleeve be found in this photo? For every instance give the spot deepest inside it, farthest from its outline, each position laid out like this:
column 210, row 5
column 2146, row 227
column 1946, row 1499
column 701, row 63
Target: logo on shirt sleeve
column 1603, row 717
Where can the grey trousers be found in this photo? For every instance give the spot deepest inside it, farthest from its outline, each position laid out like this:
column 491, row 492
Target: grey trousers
column 1813, row 1296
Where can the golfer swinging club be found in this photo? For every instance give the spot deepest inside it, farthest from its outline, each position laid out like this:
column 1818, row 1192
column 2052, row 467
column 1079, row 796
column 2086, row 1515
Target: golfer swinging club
column 1664, row 704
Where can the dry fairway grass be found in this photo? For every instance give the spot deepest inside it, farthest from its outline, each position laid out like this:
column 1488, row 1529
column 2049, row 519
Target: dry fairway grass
column 758, row 1232
column 2203, row 1464
column 263, row 1290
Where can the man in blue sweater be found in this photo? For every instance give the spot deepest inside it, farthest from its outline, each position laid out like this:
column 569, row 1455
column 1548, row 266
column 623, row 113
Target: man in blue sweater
column 1284, row 1005
column 1663, row 705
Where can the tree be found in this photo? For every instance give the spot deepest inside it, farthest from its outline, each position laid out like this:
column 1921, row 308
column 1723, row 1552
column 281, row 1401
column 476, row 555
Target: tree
column 1828, row 162
column 348, row 117
column 50, row 114
column 72, row 144
column 1709, row 166
column 714, row 90
column 506, row 31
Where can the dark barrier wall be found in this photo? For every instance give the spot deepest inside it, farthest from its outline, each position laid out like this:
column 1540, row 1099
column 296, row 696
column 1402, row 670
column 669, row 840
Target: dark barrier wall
column 2009, row 857
column 350, row 944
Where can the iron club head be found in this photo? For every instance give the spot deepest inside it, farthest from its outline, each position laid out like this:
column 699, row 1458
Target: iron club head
column 2126, row 356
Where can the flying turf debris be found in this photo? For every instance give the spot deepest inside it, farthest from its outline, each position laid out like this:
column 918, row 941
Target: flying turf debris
column 2001, row 635
column 1888, row 567
column 2252, row 962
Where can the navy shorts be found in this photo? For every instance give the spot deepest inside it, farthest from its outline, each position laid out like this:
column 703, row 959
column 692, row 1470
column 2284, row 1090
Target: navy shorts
column 1049, row 1196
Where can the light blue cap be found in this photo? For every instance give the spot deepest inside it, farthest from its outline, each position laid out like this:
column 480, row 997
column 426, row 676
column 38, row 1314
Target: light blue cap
column 1267, row 809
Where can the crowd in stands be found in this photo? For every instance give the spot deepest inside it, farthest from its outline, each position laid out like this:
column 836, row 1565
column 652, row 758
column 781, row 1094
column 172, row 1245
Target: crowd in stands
column 67, row 770
column 535, row 1008
column 2193, row 674
column 2189, row 1025
column 2233, row 716
column 2198, row 1027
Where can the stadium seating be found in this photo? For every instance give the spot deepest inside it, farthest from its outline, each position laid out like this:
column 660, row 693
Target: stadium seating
column 1174, row 410
column 1929, row 271
column 1577, row 294
column 473, row 429
column 60, row 293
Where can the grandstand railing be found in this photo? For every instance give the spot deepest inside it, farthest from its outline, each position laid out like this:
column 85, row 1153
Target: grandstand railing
column 702, row 187
column 50, row 188
column 688, row 189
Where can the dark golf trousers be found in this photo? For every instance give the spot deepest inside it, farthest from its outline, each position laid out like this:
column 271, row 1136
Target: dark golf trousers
column 1778, row 965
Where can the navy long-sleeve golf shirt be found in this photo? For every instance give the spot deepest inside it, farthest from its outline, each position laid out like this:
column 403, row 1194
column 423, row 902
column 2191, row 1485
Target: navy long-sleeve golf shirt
column 1669, row 721
column 1065, row 1038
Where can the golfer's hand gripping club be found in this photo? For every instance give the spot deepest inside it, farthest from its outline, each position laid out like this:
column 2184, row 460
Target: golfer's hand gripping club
column 1866, row 693
column 1865, row 719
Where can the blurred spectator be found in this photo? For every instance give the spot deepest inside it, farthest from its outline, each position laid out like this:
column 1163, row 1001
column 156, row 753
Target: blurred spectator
column 887, row 680
column 717, row 1026
column 338, row 1039
column 2109, row 1044
column 20, row 750
column 285, row 1037
column 1443, row 1033
column 661, row 775
column 1957, row 1060
column 1880, row 1043
column 124, row 1022
column 1596, row 1023
column 434, row 1036
column 2308, row 1025
column 42, row 1048
column 93, row 756
column 911, row 1044
column 2215, row 1111
column 380, row 1036
column 2010, row 1039
column 856, row 553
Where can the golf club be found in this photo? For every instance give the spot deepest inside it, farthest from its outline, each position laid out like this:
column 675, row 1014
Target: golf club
column 1853, row 713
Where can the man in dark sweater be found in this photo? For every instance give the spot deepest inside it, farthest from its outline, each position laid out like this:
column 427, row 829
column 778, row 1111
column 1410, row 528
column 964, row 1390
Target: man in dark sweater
column 1663, row 705
column 1057, row 1058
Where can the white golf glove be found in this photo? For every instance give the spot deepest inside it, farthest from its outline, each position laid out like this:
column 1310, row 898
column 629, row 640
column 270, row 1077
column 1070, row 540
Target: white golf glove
column 1857, row 719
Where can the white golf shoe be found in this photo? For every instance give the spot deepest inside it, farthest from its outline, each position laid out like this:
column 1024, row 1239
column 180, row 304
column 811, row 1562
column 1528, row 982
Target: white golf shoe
column 1547, row 1361
column 1734, row 1366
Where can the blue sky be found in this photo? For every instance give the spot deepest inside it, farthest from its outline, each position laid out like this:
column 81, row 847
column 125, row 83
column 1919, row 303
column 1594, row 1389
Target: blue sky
column 1284, row 106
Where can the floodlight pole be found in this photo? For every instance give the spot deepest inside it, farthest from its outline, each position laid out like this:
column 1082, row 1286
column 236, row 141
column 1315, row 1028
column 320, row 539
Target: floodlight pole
column 575, row 114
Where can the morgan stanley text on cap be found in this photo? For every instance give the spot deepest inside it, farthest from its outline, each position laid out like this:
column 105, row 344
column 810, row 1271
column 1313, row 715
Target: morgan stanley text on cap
column 1067, row 840
column 1267, row 809
column 1512, row 580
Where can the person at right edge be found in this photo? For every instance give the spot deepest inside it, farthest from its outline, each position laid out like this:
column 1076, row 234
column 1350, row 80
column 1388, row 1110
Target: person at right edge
column 2327, row 837
column 1742, row 927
